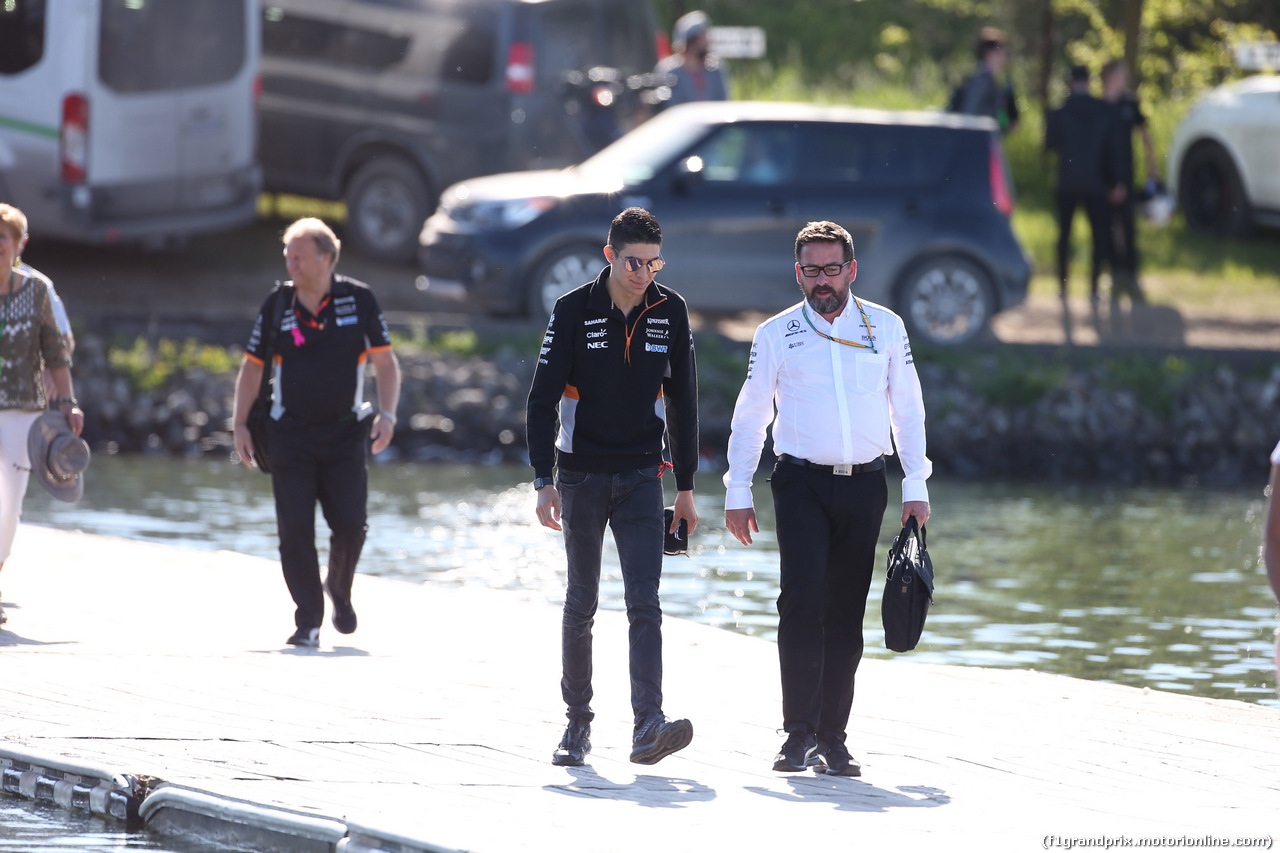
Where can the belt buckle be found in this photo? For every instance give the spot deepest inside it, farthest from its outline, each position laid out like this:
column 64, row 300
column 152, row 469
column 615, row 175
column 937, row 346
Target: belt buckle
column 845, row 469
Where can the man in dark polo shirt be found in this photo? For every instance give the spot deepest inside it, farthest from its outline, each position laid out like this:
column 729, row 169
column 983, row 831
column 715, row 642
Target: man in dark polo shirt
column 326, row 327
column 615, row 373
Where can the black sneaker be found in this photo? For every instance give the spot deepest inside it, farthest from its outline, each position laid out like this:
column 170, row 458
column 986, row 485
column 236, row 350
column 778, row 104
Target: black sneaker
column 797, row 753
column 344, row 615
column 309, row 637
column 835, row 760
column 574, row 746
column 656, row 738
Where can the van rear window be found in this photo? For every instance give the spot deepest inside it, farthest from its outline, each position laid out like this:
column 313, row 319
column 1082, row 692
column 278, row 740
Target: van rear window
column 21, row 35
column 455, row 44
column 155, row 46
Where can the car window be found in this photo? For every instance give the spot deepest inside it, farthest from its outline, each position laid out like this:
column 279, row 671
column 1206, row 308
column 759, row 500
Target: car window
column 628, row 36
column 567, row 41
column 755, row 155
column 870, row 154
column 578, row 34
column 457, row 44
column 645, row 151
column 146, row 47
column 21, row 35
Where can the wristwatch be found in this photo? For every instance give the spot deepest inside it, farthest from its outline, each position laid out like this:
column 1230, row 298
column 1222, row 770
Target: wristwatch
column 540, row 482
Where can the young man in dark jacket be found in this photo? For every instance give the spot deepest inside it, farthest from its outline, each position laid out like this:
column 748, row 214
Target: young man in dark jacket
column 1079, row 131
column 615, row 374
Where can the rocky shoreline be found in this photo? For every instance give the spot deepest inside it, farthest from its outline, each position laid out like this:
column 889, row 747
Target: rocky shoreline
column 1215, row 425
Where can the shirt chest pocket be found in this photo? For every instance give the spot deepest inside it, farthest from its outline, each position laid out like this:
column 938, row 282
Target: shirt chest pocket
column 872, row 371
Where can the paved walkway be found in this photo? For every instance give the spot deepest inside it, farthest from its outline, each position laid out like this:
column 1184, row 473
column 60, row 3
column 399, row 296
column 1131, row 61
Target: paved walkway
column 435, row 722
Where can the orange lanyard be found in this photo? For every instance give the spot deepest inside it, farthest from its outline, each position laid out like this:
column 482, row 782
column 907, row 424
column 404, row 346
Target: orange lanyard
column 627, row 352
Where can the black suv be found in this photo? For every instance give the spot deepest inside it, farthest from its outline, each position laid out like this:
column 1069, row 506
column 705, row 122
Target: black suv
column 383, row 103
column 926, row 196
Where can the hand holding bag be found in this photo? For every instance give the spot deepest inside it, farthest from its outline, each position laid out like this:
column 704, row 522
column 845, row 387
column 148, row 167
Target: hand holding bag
column 908, row 589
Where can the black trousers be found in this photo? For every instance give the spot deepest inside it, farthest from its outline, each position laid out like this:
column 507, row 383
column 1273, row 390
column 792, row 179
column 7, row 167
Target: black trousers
column 1096, row 209
column 1124, row 249
column 827, row 531
column 328, row 464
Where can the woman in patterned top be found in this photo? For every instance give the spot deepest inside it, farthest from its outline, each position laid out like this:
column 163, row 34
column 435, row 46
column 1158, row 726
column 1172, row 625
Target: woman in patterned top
column 30, row 342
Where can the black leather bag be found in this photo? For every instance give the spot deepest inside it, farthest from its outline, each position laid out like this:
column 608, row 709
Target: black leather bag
column 908, row 589
column 256, row 421
column 260, row 411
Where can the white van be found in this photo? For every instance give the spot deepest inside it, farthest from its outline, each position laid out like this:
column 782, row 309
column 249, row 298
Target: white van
column 129, row 120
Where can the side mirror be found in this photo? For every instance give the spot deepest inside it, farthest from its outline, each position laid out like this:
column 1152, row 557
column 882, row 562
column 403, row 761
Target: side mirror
column 687, row 175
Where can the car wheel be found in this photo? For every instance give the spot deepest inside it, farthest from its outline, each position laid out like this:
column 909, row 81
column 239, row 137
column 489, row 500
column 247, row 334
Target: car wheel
column 946, row 300
column 387, row 202
column 1211, row 194
column 562, row 271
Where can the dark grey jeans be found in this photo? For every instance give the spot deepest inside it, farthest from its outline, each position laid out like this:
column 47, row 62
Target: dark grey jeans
column 630, row 504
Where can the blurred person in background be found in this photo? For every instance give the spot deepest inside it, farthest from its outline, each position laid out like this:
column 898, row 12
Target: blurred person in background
column 1126, row 117
column 983, row 93
column 1271, row 542
column 1078, row 131
column 696, row 73
column 30, row 343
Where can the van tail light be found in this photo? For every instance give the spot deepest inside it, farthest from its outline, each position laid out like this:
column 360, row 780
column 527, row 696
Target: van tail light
column 74, row 138
column 662, row 42
column 1001, row 196
column 520, row 68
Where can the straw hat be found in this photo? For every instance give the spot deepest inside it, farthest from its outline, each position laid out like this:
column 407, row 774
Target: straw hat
column 59, row 457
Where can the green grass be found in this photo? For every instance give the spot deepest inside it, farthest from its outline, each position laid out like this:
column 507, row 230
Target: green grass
column 1180, row 268
column 147, row 368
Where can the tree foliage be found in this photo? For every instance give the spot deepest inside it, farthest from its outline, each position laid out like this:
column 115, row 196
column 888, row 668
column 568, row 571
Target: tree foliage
column 1176, row 47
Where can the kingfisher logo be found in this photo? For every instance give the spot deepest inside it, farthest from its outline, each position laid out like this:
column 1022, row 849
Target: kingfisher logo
column 655, row 348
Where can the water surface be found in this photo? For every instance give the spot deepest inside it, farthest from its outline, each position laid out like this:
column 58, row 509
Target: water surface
column 1149, row 587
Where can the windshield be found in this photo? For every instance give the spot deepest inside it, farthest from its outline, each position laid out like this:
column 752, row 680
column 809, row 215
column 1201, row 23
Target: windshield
column 640, row 154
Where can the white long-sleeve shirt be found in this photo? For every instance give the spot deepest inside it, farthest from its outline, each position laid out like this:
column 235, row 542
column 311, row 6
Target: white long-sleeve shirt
column 834, row 403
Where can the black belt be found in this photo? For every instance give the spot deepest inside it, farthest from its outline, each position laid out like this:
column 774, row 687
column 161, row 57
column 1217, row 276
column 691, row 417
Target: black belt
column 843, row 470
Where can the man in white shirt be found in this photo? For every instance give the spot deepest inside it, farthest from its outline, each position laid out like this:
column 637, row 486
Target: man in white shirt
column 838, row 372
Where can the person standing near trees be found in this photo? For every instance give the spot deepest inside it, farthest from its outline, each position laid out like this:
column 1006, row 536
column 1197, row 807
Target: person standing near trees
column 836, row 377
column 324, row 327
column 615, row 374
column 1126, row 117
column 696, row 73
column 983, row 93
column 1079, row 132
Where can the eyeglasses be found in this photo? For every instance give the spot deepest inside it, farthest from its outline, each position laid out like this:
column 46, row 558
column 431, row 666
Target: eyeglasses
column 832, row 270
column 634, row 264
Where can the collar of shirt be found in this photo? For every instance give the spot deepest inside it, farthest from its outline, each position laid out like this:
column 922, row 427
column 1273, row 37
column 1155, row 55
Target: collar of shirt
column 600, row 301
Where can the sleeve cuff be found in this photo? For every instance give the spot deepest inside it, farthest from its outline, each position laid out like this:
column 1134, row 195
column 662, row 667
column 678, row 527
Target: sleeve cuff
column 738, row 497
column 684, row 482
column 914, row 490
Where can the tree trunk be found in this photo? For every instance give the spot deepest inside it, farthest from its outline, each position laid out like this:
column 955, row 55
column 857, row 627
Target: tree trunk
column 1132, row 29
column 1046, row 55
